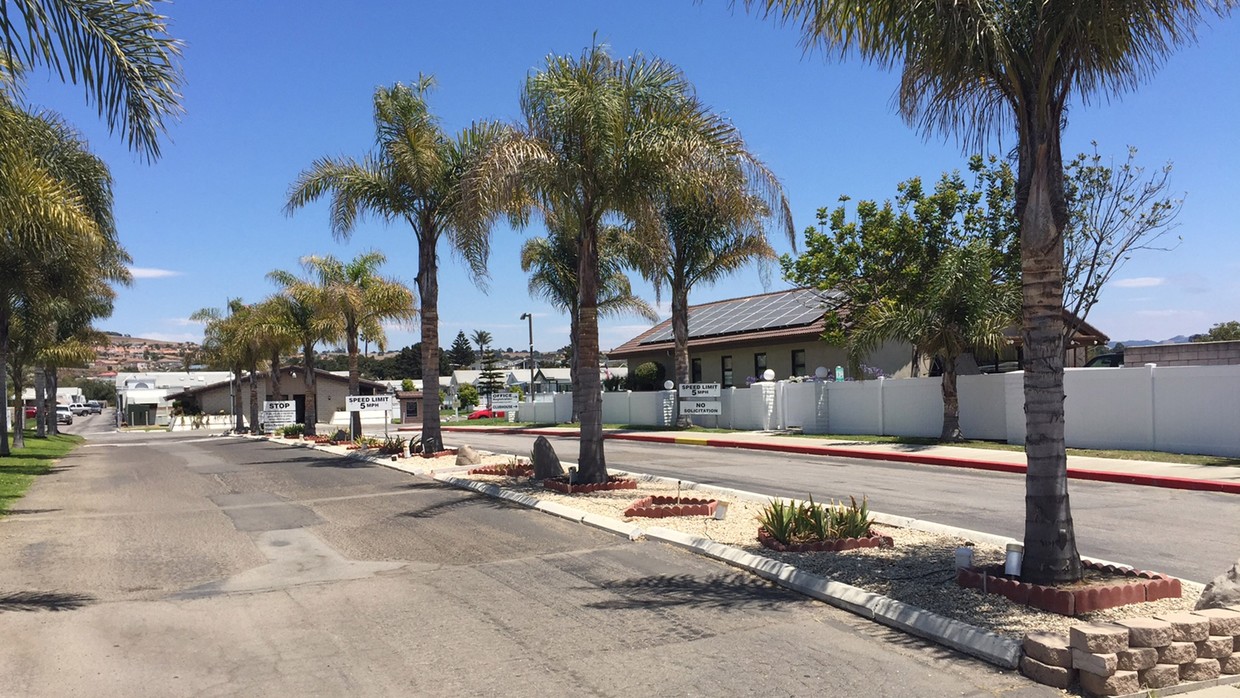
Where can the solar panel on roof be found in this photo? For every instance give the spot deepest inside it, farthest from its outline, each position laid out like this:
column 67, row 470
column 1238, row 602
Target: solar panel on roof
column 798, row 307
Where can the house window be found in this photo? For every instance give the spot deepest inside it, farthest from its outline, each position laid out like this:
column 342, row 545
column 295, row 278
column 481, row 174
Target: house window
column 695, row 370
column 798, row 362
column 411, row 408
column 759, row 365
column 725, row 363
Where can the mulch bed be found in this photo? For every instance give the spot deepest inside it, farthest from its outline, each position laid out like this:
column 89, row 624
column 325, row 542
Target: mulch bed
column 824, row 546
column 561, row 485
column 1105, row 586
column 657, row 507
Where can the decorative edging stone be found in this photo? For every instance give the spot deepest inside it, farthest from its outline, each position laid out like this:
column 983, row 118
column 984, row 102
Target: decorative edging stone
column 1171, row 653
column 1139, row 587
column 503, row 470
column 657, row 507
column 562, row 485
column 824, row 546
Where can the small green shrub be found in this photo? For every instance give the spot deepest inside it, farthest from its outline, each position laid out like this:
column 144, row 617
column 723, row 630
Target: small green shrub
column 340, row 435
column 648, row 376
column 809, row 522
column 779, row 518
column 292, row 429
column 392, row 445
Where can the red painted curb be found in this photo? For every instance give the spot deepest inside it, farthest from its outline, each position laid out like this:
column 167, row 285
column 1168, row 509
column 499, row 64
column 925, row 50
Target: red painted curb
column 1164, row 481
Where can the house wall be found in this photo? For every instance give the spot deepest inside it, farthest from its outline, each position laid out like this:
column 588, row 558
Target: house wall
column 331, row 394
column 1190, row 354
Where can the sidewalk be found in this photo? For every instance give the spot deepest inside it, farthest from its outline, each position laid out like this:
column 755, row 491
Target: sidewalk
column 1134, row 472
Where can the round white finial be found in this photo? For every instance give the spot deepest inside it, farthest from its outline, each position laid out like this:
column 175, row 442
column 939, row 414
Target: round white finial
column 667, row 385
column 768, row 375
column 820, row 372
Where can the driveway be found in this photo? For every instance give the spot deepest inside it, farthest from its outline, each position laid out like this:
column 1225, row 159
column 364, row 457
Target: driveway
column 182, row 564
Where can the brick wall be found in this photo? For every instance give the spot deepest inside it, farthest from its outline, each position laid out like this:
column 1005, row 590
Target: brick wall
column 1191, row 354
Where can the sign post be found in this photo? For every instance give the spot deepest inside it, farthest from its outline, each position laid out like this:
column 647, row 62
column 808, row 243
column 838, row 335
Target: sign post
column 371, row 403
column 507, row 402
column 697, row 399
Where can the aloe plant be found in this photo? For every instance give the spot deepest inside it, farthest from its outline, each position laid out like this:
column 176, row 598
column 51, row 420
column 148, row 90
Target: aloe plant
column 779, row 518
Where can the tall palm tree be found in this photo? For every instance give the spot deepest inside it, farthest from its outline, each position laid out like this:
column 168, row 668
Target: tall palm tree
column 414, row 175
column 306, row 312
column 364, row 301
column 269, row 327
column 224, row 344
column 552, row 265
column 702, row 235
column 981, row 66
column 967, row 307
column 600, row 137
column 483, row 339
column 119, row 51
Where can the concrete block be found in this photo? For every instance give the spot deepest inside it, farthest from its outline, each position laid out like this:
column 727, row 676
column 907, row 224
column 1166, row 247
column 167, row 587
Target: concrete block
column 1147, row 632
column 1223, row 621
column 1118, row 684
column 1136, row 658
column 1159, row 676
column 1054, row 676
column 1187, row 626
column 1178, row 653
column 969, row 639
column 1215, row 647
column 1098, row 638
column 1230, row 665
column 1200, row 670
column 1100, row 664
column 1049, row 648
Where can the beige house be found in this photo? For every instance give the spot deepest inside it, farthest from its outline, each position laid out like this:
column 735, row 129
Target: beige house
column 331, row 391
column 733, row 340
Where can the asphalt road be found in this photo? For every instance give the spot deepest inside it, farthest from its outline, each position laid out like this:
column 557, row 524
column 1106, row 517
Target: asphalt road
column 180, row 564
column 1194, row 535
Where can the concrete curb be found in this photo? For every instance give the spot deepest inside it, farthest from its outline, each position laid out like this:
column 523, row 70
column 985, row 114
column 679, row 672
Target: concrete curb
column 1164, row 481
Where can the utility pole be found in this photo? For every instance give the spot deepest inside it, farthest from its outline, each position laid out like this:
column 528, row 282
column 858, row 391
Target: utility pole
column 530, row 318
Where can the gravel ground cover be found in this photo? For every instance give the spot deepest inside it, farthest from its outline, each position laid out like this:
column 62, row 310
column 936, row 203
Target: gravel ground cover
column 918, row 570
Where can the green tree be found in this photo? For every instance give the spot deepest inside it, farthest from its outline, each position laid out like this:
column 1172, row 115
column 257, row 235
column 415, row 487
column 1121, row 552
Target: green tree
column 1220, row 332
column 414, row 175
column 466, row 396
column 965, row 306
column 599, row 138
column 461, row 354
column 979, row 67
column 483, row 339
column 364, row 300
column 303, row 310
column 119, row 51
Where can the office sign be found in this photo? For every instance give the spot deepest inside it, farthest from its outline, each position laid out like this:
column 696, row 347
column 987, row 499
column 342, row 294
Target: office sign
column 699, row 390
column 367, row 403
column 504, row 401
column 693, row 408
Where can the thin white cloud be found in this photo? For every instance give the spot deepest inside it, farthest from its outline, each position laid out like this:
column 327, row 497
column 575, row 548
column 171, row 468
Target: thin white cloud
column 184, row 322
column 152, row 273
column 1140, row 282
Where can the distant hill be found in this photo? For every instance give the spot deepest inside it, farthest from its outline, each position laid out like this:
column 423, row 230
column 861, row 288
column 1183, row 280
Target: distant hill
column 1178, row 339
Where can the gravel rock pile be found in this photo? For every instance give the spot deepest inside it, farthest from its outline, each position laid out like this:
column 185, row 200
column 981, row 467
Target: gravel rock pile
column 919, row 569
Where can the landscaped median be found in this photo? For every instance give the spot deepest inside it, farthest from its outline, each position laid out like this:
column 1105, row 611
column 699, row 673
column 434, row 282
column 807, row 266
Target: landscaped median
column 910, row 584
column 17, row 471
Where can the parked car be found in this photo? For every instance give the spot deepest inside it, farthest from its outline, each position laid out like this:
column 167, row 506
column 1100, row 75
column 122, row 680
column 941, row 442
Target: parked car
column 79, row 408
column 31, row 411
column 95, row 406
column 64, row 415
column 486, row 413
column 1113, row 360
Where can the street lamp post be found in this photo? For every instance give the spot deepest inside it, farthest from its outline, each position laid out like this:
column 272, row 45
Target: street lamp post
column 530, row 318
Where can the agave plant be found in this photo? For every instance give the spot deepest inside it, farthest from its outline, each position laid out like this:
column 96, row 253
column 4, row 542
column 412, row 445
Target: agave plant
column 852, row 521
column 779, row 518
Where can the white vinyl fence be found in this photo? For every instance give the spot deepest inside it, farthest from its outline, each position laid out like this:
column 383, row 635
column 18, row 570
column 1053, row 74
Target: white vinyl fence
column 1180, row 409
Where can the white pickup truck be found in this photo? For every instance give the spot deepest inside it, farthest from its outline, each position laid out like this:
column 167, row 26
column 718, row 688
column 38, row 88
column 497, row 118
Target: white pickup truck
column 79, row 409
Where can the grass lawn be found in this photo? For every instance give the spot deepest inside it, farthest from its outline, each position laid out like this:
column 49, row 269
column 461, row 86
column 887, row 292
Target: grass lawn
column 17, row 472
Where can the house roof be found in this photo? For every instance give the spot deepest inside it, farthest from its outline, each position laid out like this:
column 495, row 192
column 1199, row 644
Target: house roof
column 782, row 316
column 285, row 374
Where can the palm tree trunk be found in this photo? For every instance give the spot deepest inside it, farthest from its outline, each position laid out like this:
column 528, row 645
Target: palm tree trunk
column 355, row 379
column 40, row 394
column 591, row 465
column 1050, row 540
column 53, row 388
column 4, row 373
column 253, row 397
column 19, row 409
column 951, row 402
column 680, row 334
column 428, row 296
column 574, row 326
column 238, row 411
column 275, row 376
column 312, row 397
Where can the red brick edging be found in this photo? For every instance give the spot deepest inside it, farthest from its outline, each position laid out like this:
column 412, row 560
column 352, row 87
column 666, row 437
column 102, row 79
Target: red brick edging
column 1141, row 587
column 503, row 470
column 561, row 485
column 827, row 546
column 656, row 507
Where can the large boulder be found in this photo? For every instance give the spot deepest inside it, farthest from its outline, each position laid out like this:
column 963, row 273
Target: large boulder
column 1223, row 591
column 546, row 462
column 466, row 455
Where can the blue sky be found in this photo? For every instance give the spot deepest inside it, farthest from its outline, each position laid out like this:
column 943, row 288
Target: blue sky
column 272, row 85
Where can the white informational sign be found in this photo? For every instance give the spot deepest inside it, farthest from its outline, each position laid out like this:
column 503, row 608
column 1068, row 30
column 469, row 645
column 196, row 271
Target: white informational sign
column 277, row 413
column 698, row 390
column 504, row 401
column 692, row 408
column 366, row 403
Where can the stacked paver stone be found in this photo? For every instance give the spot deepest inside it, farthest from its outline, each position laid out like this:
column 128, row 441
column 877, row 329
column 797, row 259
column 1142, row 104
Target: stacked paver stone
column 1126, row 656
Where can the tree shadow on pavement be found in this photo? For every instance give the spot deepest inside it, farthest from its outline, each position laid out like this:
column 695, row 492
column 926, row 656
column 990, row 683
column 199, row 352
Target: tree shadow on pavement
column 43, row 601
column 716, row 592
column 437, row 508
